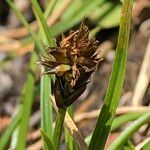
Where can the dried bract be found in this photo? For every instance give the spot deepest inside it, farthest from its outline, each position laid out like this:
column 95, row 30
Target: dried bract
column 76, row 58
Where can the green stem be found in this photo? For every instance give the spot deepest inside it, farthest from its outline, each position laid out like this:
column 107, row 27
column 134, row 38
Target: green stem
column 6, row 136
column 46, row 108
column 70, row 145
column 58, row 127
column 114, row 89
column 118, row 121
column 130, row 130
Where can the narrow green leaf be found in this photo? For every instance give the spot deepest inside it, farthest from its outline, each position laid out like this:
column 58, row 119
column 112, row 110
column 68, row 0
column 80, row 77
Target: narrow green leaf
column 121, row 120
column 111, row 18
column 82, row 10
column 50, row 7
column 14, row 138
column 68, row 140
column 146, row 146
column 6, row 136
column 118, row 121
column 70, row 145
column 76, row 16
column 128, row 146
column 71, row 9
column 47, row 140
column 46, row 108
column 116, row 82
column 25, row 23
column 129, row 131
column 42, row 22
column 58, row 127
column 27, row 103
column 107, row 15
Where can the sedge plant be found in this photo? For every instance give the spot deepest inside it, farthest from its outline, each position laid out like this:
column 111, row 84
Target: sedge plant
column 72, row 62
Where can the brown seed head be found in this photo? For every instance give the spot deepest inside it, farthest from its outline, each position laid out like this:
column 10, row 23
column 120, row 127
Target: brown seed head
column 76, row 57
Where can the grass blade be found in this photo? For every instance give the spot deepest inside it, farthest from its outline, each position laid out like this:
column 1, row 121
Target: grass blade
column 146, row 146
column 47, row 141
column 27, row 103
column 118, row 121
column 70, row 144
column 42, row 22
column 6, row 136
column 68, row 140
column 128, row 132
column 58, row 127
column 111, row 18
column 129, row 146
column 14, row 138
column 46, row 108
column 76, row 16
column 25, row 23
column 50, row 7
column 82, row 10
column 113, row 93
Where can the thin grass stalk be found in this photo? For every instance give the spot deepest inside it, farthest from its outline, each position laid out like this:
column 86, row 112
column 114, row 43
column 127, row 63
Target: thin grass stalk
column 118, row 121
column 50, row 7
column 121, row 120
column 68, row 140
column 6, row 136
column 70, row 144
column 129, row 131
column 58, row 127
column 146, row 145
column 14, row 139
column 46, row 139
column 14, row 136
column 45, row 88
column 72, row 128
column 76, row 16
column 27, row 104
column 46, row 109
column 42, row 22
column 113, row 93
column 25, row 23
column 129, row 145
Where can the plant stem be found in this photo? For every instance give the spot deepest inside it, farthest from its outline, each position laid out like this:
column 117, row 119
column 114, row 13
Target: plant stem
column 114, row 89
column 70, row 145
column 6, row 135
column 58, row 127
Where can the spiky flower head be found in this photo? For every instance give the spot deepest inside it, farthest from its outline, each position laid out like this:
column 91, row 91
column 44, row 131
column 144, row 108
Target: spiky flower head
column 76, row 58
